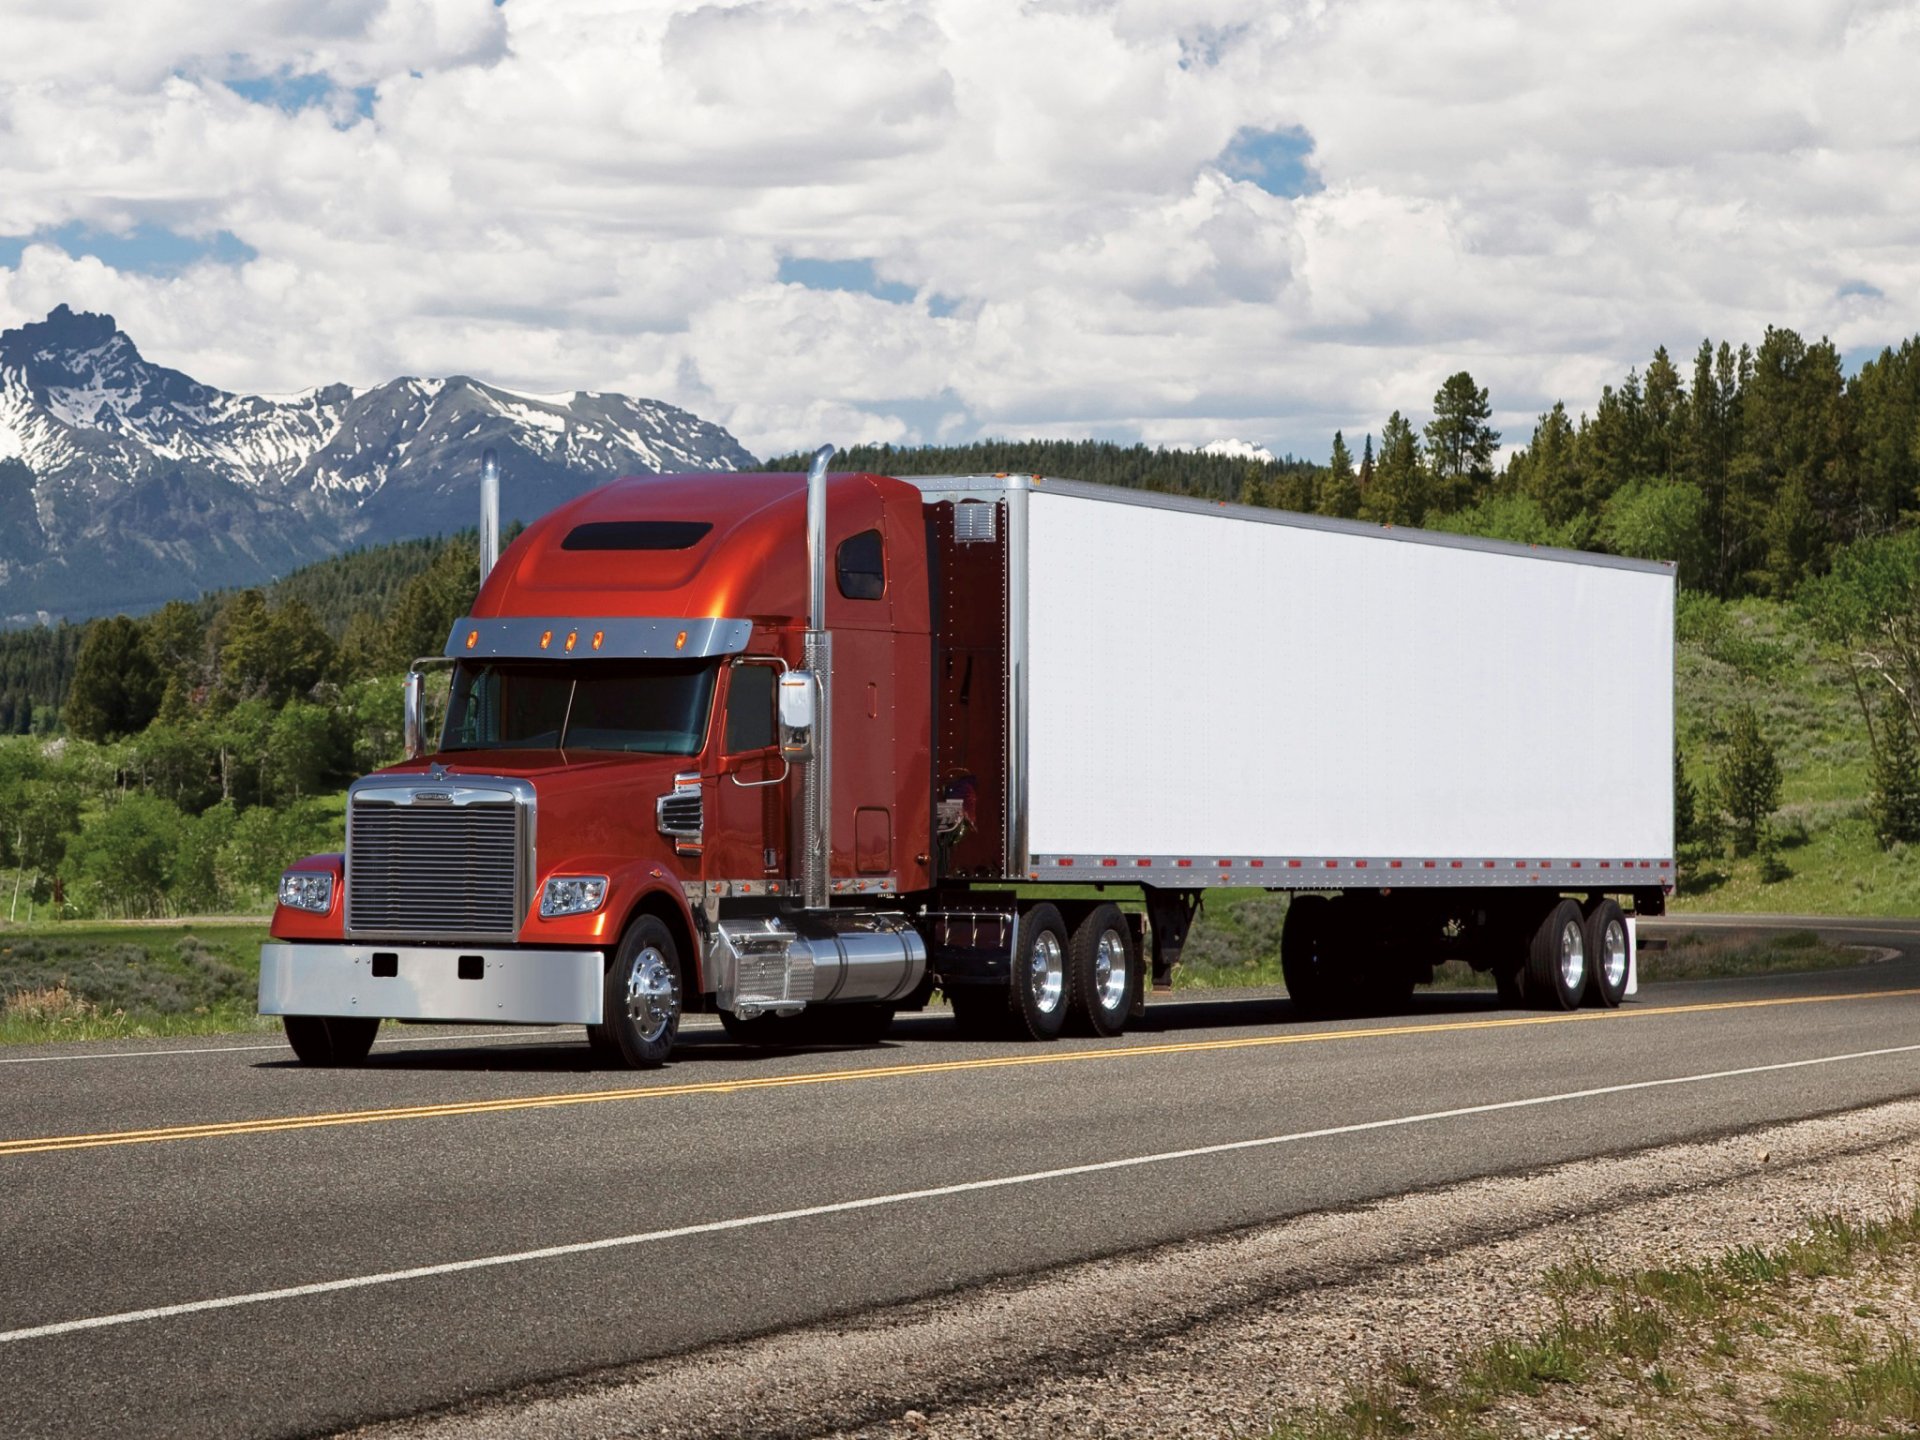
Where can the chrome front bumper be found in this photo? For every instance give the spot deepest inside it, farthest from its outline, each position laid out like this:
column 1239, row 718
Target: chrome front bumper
column 526, row 987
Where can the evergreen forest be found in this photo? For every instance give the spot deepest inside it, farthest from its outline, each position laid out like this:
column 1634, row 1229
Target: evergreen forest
column 174, row 763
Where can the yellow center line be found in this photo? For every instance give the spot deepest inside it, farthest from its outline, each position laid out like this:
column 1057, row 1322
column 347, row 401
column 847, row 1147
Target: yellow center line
column 44, row 1144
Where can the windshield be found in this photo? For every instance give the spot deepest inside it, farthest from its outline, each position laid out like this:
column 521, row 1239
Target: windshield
column 656, row 706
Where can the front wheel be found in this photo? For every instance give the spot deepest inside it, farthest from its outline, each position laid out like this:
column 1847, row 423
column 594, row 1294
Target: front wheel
column 330, row 1039
column 640, row 1008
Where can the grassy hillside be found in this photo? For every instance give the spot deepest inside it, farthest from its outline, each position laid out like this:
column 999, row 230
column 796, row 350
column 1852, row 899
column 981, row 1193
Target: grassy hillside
column 1761, row 653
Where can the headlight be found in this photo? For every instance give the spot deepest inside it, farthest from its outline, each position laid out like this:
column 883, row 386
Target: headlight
column 572, row 895
column 307, row 890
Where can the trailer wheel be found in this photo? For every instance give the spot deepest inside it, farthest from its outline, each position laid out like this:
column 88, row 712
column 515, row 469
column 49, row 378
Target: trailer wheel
column 641, row 1004
column 1102, row 971
column 1039, row 1000
column 1556, row 975
column 1310, row 960
column 330, row 1039
column 1607, row 954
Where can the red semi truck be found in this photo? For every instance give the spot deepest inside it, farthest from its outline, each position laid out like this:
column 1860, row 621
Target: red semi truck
column 800, row 749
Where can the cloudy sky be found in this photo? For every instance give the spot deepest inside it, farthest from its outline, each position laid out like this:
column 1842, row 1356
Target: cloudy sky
column 910, row 220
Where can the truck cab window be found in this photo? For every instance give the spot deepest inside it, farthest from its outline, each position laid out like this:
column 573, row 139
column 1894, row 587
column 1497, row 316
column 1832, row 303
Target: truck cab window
column 862, row 564
column 750, row 708
column 656, row 707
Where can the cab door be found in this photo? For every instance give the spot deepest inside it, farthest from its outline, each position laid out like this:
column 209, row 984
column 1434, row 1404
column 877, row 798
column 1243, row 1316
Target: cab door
column 749, row 841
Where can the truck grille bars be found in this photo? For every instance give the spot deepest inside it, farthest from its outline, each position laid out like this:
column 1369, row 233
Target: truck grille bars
column 446, row 861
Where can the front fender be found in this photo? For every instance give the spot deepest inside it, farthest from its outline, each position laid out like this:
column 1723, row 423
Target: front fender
column 291, row 924
column 634, row 887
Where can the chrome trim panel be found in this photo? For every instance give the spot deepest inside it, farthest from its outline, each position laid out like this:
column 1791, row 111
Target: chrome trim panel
column 446, row 794
column 1017, row 673
column 935, row 488
column 1269, row 872
column 526, row 987
column 623, row 637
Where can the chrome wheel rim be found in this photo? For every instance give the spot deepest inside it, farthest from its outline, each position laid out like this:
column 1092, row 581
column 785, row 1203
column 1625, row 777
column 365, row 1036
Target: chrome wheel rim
column 1046, row 972
column 1573, row 957
column 1110, row 970
column 653, row 995
column 1613, row 954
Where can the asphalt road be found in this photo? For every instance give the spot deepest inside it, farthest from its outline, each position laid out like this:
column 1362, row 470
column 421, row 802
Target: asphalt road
column 202, row 1237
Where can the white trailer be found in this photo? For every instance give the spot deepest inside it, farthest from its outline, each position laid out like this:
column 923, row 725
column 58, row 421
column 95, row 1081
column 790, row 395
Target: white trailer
column 1465, row 745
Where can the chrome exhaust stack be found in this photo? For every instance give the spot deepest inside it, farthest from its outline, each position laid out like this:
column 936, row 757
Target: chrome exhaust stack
column 816, row 782
column 489, row 514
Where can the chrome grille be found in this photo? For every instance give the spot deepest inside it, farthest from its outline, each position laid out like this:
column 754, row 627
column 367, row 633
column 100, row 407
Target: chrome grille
column 434, row 869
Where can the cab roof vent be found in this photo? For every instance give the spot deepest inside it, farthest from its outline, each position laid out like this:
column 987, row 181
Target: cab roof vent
column 636, row 535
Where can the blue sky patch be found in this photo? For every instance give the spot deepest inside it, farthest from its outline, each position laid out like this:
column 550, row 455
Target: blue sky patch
column 1861, row 289
column 1278, row 161
column 854, row 276
column 143, row 250
column 294, row 93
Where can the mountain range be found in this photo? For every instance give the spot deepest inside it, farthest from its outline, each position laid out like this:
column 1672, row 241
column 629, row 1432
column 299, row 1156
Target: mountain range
column 124, row 484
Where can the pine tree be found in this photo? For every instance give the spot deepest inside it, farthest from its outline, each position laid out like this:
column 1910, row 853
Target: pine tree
column 1460, row 443
column 116, row 686
column 1686, row 818
column 1748, row 782
column 1339, row 491
column 1894, row 801
column 1365, row 478
column 1398, row 495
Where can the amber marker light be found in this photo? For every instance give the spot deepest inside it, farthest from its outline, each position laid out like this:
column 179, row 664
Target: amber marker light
column 680, row 641
column 473, row 638
column 546, row 638
column 573, row 637
column 598, row 636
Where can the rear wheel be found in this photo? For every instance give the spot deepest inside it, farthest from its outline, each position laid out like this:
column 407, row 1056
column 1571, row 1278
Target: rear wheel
column 1311, row 962
column 1607, row 954
column 1556, row 974
column 330, row 1039
column 1102, row 971
column 640, row 1008
column 1039, row 1000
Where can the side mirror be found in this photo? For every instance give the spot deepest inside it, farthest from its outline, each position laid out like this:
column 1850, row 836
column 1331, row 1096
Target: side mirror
column 415, row 724
column 799, row 704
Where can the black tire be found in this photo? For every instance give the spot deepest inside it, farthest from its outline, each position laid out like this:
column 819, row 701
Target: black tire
column 1038, row 984
column 1311, row 958
column 641, row 1003
column 1103, row 973
column 1556, row 976
column 330, row 1039
column 1606, row 955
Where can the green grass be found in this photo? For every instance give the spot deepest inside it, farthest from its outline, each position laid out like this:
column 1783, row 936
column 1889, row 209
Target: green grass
column 1827, row 862
column 105, row 981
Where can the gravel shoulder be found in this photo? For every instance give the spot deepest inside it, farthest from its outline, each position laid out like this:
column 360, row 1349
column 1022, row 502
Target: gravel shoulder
column 1228, row 1335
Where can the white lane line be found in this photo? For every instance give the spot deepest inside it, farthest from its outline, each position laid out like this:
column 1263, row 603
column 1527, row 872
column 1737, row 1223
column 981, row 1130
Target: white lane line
column 903, row 1197
column 473, row 1039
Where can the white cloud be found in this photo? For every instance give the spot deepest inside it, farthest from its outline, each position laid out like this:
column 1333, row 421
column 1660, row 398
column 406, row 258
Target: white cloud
column 597, row 194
